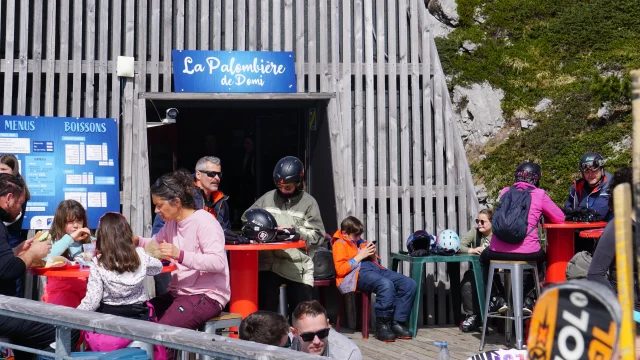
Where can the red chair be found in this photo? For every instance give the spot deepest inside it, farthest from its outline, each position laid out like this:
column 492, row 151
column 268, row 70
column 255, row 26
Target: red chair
column 366, row 305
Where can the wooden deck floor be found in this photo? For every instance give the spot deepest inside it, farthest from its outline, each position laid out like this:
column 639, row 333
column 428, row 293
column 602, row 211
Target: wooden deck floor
column 461, row 345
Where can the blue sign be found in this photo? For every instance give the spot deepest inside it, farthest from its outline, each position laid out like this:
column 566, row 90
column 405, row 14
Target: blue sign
column 234, row 71
column 64, row 158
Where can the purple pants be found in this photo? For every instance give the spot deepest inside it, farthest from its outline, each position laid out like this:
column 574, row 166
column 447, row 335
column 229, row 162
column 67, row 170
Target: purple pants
column 185, row 311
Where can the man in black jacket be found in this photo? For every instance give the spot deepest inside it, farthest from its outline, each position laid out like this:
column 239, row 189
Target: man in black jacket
column 13, row 264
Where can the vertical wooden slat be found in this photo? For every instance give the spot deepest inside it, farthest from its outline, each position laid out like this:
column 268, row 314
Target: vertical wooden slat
column 240, row 29
column 324, row 47
column 22, row 57
column 416, row 119
column 264, row 25
column 139, row 155
column 8, row 53
column 228, row 25
column 253, row 25
column 103, row 43
column 192, row 24
column 277, row 24
column 167, row 33
column 311, row 42
column 393, row 128
column 300, row 45
column 404, row 121
column 50, row 93
column 427, row 129
column 76, row 98
column 288, row 24
column 90, row 50
column 370, row 147
column 155, row 45
column 217, row 25
column 63, row 86
column 116, row 28
column 345, row 106
column 36, row 50
column 179, row 29
column 382, row 130
column 359, row 125
column 127, row 115
column 205, row 20
column 448, row 119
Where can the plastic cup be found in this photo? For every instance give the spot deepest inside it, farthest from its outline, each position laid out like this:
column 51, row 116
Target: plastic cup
column 89, row 248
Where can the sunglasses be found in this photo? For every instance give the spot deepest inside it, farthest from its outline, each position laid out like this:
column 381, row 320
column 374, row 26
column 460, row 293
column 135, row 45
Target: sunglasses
column 309, row 336
column 287, row 187
column 481, row 222
column 161, row 182
column 212, row 174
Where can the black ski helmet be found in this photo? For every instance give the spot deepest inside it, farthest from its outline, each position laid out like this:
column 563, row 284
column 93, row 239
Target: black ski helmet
column 591, row 160
column 289, row 170
column 528, row 172
column 261, row 226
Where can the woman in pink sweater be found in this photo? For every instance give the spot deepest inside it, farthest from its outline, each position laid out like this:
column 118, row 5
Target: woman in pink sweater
column 527, row 178
column 194, row 241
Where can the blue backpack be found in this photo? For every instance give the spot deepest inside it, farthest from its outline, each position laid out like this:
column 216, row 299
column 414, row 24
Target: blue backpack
column 511, row 218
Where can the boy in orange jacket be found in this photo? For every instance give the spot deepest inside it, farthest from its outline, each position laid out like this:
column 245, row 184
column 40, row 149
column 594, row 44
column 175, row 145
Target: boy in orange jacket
column 358, row 269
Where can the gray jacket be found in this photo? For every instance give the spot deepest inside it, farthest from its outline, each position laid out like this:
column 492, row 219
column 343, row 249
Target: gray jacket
column 302, row 212
column 338, row 347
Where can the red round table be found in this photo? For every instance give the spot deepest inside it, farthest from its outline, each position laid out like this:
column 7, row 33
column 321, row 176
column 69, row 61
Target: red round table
column 243, row 272
column 77, row 272
column 560, row 247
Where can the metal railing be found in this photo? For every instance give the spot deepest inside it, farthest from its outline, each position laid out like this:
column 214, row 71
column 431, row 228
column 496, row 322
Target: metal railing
column 65, row 319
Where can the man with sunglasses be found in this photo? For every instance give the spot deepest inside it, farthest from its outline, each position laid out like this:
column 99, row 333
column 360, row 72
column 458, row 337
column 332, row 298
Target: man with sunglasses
column 590, row 191
column 312, row 334
column 292, row 207
column 265, row 327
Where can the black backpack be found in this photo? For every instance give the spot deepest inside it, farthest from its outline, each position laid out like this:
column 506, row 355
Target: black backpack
column 323, row 267
column 511, row 218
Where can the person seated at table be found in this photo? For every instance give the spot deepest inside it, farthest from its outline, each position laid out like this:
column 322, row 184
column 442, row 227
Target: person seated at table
column 116, row 281
column 589, row 193
column 292, row 207
column 194, row 241
column 313, row 335
column 603, row 265
column 527, row 179
column 358, row 269
column 68, row 232
column 474, row 242
column 265, row 327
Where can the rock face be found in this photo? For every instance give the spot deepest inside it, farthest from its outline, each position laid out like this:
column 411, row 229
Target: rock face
column 446, row 11
column 480, row 112
column 543, row 105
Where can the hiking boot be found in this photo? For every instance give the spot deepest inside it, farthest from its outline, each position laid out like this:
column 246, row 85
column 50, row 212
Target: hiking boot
column 383, row 330
column 497, row 304
column 401, row 330
column 471, row 323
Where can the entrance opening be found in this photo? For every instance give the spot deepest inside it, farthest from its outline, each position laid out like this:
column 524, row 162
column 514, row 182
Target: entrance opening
column 249, row 137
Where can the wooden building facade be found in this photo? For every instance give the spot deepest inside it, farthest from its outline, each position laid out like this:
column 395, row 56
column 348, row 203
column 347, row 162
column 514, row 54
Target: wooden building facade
column 398, row 160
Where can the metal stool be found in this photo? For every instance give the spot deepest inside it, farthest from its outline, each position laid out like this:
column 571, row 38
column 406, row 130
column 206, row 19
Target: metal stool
column 516, row 268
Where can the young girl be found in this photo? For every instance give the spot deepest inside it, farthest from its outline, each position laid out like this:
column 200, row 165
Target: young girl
column 116, row 281
column 68, row 232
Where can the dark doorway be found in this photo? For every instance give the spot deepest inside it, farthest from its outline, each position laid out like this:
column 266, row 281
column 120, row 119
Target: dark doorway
column 248, row 137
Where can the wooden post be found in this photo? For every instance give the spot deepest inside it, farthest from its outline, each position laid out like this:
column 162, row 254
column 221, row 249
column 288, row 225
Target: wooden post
column 635, row 96
column 624, row 264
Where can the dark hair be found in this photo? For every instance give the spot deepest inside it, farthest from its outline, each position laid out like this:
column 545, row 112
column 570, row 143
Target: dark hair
column 309, row 308
column 114, row 242
column 10, row 184
column 622, row 176
column 351, row 225
column 264, row 327
column 487, row 212
column 177, row 185
column 11, row 161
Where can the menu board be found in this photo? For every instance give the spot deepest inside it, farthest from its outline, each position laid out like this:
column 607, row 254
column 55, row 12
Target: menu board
column 64, row 158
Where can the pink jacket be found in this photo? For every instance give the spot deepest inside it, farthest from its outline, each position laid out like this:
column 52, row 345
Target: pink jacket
column 541, row 204
column 204, row 268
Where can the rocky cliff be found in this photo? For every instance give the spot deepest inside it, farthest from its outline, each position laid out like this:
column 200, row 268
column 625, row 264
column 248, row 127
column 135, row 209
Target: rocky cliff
column 539, row 80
